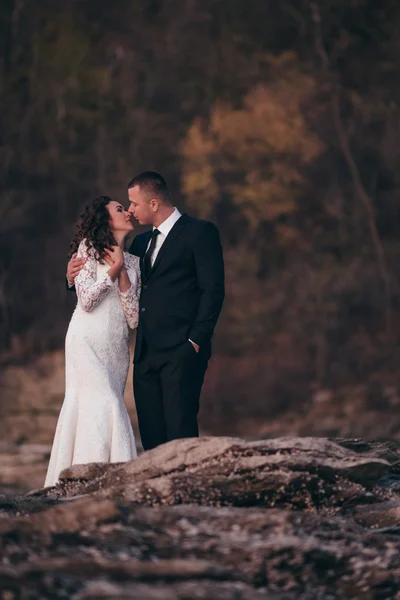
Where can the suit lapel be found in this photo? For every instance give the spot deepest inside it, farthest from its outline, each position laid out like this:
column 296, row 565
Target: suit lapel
column 173, row 234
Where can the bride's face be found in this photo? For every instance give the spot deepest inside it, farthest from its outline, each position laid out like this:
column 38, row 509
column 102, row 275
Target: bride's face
column 120, row 219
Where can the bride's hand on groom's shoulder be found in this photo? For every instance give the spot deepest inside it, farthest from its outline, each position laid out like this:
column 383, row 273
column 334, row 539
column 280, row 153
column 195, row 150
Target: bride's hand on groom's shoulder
column 74, row 267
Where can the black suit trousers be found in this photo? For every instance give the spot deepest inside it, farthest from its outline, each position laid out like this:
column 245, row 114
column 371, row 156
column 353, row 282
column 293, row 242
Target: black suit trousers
column 167, row 386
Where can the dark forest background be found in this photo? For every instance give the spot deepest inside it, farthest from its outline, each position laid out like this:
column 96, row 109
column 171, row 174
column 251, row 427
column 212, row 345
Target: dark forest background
column 279, row 121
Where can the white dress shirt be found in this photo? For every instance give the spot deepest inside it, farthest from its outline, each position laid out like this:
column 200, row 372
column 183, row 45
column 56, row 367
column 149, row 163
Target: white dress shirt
column 164, row 230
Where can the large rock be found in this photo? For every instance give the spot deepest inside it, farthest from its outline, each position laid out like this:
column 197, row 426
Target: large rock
column 287, row 472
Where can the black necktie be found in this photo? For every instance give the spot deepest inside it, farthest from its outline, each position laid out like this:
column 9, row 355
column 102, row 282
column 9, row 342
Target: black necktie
column 149, row 253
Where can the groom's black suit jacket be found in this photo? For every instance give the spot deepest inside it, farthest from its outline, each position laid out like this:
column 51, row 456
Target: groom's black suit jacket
column 183, row 294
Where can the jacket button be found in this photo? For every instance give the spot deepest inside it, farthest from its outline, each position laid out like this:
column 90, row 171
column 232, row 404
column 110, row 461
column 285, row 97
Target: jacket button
column 143, row 309
column 145, row 287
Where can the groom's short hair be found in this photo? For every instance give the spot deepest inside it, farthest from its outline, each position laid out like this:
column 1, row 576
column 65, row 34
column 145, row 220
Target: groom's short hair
column 152, row 184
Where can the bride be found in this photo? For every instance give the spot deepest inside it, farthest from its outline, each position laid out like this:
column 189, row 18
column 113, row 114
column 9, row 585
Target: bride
column 94, row 425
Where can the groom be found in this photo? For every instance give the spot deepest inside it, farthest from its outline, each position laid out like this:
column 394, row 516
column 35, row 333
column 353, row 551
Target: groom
column 182, row 294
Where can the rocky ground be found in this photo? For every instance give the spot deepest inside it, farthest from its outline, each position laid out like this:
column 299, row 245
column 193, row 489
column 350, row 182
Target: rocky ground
column 214, row 518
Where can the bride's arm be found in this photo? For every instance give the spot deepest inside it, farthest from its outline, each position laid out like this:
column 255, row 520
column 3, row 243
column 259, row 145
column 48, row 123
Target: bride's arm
column 129, row 291
column 91, row 291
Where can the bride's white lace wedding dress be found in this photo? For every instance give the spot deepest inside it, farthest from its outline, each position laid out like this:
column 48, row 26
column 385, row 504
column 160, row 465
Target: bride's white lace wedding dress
column 94, row 425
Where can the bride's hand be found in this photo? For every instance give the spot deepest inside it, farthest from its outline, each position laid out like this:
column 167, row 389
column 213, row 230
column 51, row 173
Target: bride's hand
column 114, row 257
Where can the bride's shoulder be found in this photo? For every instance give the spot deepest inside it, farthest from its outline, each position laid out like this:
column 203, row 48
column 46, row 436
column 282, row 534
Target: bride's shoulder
column 85, row 249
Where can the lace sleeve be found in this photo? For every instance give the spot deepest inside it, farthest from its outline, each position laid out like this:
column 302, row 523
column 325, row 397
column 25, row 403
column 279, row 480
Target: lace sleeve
column 130, row 298
column 90, row 292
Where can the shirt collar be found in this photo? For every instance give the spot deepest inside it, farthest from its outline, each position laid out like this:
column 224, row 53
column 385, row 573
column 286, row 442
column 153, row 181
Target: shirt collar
column 168, row 224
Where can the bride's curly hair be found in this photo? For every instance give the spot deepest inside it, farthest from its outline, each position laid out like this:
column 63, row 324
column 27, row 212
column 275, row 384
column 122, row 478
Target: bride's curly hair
column 94, row 225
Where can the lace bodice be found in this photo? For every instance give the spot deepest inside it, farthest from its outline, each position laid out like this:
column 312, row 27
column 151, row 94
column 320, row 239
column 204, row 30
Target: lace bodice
column 130, row 298
column 92, row 290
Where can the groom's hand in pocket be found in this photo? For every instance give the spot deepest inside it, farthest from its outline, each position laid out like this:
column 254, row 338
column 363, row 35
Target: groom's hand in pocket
column 74, row 267
column 195, row 346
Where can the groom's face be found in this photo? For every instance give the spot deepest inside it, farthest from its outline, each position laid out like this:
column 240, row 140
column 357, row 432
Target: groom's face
column 140, row 207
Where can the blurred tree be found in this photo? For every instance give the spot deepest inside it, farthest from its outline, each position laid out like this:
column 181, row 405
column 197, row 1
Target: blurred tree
column 251, row 161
